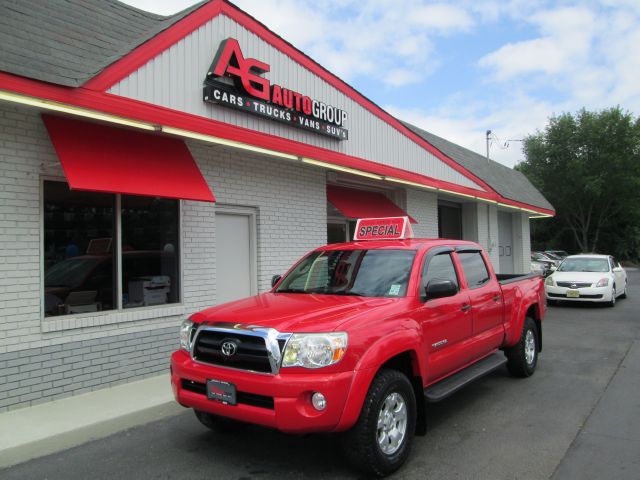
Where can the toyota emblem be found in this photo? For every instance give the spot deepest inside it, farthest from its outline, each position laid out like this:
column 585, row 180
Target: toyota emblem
column 573, row 285
column 229, row 348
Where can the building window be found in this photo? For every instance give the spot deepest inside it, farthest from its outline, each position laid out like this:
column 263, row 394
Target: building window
column 82, row 261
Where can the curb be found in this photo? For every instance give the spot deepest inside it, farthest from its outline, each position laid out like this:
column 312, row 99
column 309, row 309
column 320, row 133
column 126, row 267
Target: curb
column 82, row 424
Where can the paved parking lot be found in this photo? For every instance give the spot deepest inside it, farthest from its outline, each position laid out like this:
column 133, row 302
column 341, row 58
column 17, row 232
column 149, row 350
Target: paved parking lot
column 577, row 417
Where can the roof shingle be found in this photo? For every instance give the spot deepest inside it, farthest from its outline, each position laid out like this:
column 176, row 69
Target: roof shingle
column 508, row 182
column 67, row 42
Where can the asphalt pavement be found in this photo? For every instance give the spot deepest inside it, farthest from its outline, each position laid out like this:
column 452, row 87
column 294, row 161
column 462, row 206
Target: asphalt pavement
column 578, row 417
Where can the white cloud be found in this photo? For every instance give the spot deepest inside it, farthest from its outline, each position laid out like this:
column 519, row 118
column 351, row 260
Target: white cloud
column 353, row 38
column 553, row 57
column 442, row 17
column 566, row 41
column 465, row 122
column 399, row 77
column 161, row 7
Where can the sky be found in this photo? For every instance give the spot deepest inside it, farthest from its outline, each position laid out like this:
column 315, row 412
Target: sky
column 460, row 68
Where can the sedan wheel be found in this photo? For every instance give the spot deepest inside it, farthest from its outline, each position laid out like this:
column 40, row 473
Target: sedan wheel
column 624, row 293
column 612, row 302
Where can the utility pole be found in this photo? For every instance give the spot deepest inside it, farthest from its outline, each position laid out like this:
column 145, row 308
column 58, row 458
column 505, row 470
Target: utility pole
column 488, row 143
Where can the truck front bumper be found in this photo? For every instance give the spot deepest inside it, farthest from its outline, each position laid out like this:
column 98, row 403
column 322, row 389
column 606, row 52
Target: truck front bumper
column 281, row 401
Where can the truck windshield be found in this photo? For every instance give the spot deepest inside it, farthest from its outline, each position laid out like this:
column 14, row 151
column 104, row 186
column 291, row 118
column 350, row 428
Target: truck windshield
column 365, row 273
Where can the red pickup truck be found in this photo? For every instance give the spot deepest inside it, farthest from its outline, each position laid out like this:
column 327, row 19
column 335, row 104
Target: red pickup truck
column 357, row 338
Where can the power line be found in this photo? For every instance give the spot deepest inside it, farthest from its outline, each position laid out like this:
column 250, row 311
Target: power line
column 490, row 137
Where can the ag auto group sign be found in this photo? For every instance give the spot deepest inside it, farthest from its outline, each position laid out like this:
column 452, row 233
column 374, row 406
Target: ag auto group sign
column 236, row 82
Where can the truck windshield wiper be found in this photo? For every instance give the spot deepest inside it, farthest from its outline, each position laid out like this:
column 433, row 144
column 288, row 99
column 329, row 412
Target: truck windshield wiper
column 343, row 292
column 292, row 290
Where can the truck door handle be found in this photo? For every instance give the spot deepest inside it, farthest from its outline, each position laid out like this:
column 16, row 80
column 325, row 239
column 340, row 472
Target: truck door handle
column 497, row 298
column 466, row 308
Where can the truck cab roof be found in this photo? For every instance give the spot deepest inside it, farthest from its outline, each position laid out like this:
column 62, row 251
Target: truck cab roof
column 406, row 244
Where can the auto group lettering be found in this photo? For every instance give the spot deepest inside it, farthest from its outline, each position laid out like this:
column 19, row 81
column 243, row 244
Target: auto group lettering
column 252, row 93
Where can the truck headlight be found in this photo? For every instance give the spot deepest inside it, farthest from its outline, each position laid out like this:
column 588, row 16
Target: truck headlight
column 603, row 282
column 186, row 334
column 549, row 281
column 314, row 350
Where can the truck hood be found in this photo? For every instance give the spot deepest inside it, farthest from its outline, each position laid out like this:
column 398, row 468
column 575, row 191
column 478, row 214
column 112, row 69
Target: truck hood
column 298, row 312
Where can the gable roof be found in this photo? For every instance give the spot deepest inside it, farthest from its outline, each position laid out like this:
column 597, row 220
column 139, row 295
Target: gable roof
column 67, row 42
column 91, row 44
column 506, row 181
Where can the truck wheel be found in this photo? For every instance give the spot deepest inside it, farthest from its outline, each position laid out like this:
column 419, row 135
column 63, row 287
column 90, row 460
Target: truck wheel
column 522, row 358
column 216, row 423
column 381, row 440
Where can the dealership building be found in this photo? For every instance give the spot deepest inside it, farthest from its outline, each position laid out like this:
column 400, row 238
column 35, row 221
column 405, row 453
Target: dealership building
column 153, row 166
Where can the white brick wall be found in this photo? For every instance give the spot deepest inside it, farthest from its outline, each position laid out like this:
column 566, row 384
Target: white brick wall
column 470, row 212
column 521, row 243
column 476, row 228
column 423, row 206
column 290, row 201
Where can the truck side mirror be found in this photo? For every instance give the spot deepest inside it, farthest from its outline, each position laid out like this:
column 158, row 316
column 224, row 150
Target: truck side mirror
column 275, row 279
column 440, row 289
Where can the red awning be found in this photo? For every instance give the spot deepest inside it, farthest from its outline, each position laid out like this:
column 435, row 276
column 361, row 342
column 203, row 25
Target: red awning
column 354, row 203
column 102, row 158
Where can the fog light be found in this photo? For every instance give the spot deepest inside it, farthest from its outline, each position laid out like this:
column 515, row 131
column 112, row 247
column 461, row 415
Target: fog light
column 318, row 401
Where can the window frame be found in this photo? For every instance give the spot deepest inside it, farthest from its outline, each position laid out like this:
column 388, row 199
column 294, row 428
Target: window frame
column 154, row 310
column 428, row 258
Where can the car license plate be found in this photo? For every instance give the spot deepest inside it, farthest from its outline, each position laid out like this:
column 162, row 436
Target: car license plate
column 573, row 294
column 220, row 391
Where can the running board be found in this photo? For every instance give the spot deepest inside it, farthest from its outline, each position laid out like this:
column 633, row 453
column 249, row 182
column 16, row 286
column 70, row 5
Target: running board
column 452, row 384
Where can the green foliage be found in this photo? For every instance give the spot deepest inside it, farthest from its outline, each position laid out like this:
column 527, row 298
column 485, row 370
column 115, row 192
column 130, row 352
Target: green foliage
column 588, row 166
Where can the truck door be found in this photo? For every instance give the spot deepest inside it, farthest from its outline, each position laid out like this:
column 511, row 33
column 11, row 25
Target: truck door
column 446, row 322
column 486, row 300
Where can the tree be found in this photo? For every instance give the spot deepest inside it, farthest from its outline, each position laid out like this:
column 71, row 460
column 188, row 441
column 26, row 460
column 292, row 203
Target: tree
column 588, row 166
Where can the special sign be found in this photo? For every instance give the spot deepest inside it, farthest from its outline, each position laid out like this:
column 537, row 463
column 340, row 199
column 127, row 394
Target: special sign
column 250, row 92
column 388, row 228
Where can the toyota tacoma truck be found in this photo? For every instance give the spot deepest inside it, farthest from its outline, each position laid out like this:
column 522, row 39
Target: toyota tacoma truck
column 358, row 338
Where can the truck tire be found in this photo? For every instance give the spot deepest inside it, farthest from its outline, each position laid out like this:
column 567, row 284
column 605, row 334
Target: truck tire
column 522, row 358
column 380, row 441
column 216, row 423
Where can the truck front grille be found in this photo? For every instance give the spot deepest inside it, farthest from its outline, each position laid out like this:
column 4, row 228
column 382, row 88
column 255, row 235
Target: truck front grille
column 250, row 352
